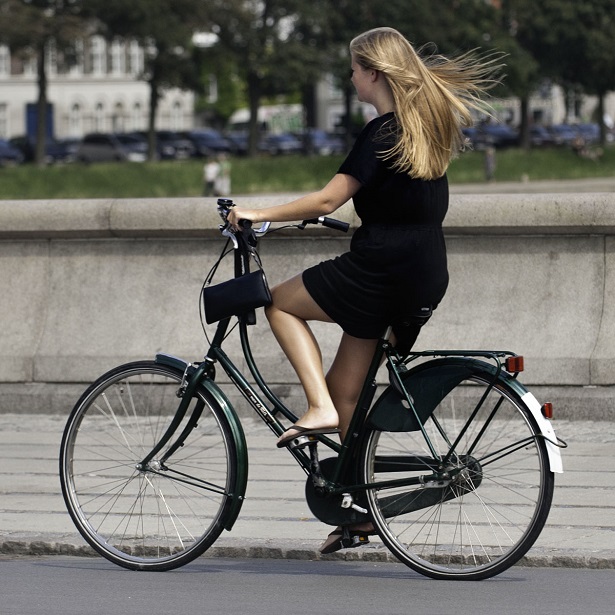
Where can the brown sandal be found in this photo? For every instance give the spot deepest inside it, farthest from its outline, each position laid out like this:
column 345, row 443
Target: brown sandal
column 305, row 431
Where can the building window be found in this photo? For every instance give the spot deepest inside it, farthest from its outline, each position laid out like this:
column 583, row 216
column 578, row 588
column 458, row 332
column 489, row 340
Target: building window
column 118, row 119
column 29, row 67
column 135, row 59
column 137, row 120
column 177, row 116
column 98, row 63
column 118, row 58
column 5, row 61
column 99, row 118
column 4, row 120
column 75, row 121
column 76, row 67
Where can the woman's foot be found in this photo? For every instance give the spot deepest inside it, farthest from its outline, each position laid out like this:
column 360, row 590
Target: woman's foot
column 296, row 430
column 347, row 537
column 312, row 422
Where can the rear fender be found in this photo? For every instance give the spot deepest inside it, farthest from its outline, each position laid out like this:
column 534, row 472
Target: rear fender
column 430, row 382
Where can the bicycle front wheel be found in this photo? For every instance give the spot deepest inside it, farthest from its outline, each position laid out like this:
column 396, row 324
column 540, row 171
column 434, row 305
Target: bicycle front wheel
column 165, row 514
column 480, row 512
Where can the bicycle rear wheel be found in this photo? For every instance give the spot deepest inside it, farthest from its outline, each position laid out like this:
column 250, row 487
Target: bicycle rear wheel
column 162, row 516
column 484, row 512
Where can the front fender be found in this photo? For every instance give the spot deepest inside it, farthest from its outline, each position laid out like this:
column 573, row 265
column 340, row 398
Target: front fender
column 238, row 488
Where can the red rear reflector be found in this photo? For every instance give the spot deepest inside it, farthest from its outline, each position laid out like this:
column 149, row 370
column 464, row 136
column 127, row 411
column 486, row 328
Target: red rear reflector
column 547, row 410
column 514, row 364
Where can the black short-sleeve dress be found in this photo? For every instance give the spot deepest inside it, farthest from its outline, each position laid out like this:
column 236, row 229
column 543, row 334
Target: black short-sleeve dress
column 397, row 259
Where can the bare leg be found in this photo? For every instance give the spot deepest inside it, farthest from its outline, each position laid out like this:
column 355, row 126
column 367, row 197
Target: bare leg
column 347, row 374
column 331, row 401
column 292, row 307
column 345, row 381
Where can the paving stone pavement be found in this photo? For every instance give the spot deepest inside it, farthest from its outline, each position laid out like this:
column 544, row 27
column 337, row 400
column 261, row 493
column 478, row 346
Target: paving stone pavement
column 276, row 522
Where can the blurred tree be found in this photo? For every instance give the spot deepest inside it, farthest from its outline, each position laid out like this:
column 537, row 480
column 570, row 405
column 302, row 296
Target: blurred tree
column 165, row 29
column 449, row 27
column 254, row 32
column 223, row 91
column 286, row 46
column 573, row 43
column 30, row 28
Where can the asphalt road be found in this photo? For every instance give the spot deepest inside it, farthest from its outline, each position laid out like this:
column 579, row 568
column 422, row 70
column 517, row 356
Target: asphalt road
column 83, row 586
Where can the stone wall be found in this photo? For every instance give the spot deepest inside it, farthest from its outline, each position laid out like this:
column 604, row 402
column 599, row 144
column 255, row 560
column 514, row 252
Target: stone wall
column 90, row 284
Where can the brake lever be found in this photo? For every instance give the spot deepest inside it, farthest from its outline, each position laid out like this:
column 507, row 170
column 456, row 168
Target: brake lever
column 263, row 229
column 225, row 229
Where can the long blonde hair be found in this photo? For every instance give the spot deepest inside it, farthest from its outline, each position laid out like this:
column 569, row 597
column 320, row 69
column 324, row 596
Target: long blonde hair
column 433, row 97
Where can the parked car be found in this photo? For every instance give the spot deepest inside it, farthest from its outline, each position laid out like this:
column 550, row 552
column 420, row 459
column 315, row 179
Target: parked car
column 563, row 134
column 590, row 133
column 239, row 140
column 540, row 136
column 55, row 151
column 208, row 142
column 496, row 135
column 70, row 146
column 172, row 145
column 283, row 143
column 99, row 147
column 135, row 147
column 320, row 142
column 9, row 155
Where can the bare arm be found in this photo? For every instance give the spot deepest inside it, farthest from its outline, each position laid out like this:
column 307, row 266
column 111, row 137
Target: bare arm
column 337, row 192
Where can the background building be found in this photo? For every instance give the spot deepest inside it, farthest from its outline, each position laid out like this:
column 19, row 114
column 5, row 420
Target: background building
column 99, row 90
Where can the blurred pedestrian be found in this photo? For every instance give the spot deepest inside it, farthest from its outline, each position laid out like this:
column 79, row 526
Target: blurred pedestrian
column 223, row 182
column 490, row 163
column 211, row 172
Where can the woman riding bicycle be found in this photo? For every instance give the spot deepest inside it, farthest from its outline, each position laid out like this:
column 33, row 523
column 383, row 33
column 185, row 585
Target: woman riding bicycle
column 395, row 272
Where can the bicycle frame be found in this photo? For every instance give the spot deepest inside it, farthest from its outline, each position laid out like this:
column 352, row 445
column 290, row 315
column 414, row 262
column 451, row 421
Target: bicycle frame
column 411, row 462
column 337, row 483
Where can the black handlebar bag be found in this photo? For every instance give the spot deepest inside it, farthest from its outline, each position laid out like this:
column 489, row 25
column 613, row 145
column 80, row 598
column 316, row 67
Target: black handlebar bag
column 236, row 297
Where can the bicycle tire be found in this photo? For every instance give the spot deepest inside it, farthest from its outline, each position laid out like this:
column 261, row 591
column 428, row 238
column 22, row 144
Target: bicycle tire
column 155, row 519
column 493, row 510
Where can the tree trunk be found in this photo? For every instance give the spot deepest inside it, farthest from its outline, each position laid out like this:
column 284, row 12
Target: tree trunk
column 348, row 136
column 524, row 127
column 601, row 119
column 308, row 97
column 254, row 98
column 309, row 100
column 41, row 108
column 154, row 96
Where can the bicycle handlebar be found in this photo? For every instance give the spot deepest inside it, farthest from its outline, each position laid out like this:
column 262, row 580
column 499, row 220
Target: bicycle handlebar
column 225, row 205
column 338, row 225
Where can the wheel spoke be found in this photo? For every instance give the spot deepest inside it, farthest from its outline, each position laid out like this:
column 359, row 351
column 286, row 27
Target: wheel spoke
column 162, row 515
column 494, row 495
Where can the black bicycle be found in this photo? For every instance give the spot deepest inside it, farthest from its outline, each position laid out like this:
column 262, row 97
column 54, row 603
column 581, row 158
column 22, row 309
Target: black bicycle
column 453, row 462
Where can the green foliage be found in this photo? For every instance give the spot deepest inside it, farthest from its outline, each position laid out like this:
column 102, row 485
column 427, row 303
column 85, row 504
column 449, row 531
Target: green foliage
column 572, row 40
column 267, row 49
column 263, row 175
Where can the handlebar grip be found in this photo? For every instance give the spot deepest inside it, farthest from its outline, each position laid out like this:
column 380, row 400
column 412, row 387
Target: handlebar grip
column 338, row 225
column 224, row 207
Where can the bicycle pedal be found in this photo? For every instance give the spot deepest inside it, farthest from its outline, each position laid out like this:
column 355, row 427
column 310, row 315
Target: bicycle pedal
column 302, row 442
column 354, row 540
column 357, row 541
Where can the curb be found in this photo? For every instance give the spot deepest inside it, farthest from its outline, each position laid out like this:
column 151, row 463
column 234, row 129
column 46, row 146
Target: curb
column 535, row 559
